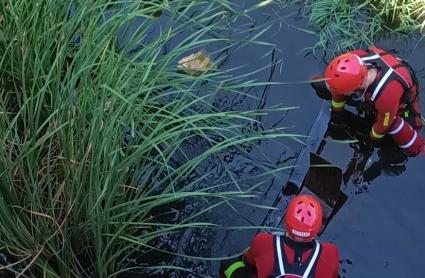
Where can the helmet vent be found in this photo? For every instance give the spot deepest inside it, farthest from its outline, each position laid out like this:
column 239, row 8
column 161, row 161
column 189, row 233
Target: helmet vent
column 298, row 211
column 309, row 213
column 347, row 60
column 343, row 68
column 336, row 75
column 302, row 219
column 311, row 205
column 338, row 61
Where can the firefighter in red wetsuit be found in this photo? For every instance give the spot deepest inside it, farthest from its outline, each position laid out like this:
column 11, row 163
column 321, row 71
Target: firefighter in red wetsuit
column 295, row 254
column 382, row 83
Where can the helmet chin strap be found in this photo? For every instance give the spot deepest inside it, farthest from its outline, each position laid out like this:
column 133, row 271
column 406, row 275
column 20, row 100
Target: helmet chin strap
column 364, row 91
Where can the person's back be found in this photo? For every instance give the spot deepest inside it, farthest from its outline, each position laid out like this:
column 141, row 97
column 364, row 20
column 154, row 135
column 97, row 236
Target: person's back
column 295, row 254
column 296, row 257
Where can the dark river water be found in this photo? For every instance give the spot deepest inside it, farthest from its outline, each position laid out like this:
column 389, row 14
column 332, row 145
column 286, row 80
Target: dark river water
column 379, row 228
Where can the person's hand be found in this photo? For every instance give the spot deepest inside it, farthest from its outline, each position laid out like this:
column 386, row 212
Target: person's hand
column 339, row 119
column 366, row 142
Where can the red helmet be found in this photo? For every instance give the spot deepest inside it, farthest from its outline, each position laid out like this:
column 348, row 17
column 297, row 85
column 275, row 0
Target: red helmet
column 303, row 218
column 346, row 73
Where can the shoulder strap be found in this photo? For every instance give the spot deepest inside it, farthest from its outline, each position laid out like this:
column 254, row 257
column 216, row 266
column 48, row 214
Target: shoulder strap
column 390, row 72
column 281, row 266
column 312, row 260
column 279, row 256
column 393, row 66
column 381, row 83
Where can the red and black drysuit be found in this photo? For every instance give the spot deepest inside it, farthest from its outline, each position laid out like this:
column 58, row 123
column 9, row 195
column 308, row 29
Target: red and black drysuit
column 272, row 256
column 393, row 96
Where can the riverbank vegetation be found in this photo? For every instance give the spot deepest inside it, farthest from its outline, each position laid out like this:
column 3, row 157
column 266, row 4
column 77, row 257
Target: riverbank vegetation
column 345, row 24
column 101, row 135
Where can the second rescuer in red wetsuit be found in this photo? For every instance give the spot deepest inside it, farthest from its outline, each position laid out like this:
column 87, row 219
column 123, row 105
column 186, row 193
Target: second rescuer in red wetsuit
column 295, row 254
column 387, row 86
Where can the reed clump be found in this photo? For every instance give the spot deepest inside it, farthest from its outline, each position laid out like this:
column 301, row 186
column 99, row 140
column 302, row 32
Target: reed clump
column 95, row 123
column 352, row 24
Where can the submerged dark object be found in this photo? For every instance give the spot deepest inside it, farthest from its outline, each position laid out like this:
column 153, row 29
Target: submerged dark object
column 312, row 174
column 323, row 180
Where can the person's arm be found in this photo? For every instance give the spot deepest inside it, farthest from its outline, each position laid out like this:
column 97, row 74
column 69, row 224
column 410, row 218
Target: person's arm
column 387, row 106
column 249, row 255
column 336, row 273
column 328, row 264
column 261, row 246
column 235, row 268
column 338, row 102
column 243, row 266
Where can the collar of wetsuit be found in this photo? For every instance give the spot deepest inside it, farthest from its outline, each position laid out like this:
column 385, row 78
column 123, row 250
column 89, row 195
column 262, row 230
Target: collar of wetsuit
column 298, row 245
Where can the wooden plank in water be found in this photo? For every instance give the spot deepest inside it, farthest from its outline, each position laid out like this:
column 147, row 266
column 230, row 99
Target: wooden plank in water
column 302, row 164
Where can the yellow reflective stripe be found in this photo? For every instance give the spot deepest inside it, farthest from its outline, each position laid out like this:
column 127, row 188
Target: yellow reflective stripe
column 386, row 119
column 376, row 135
column 235, row 266
column 336, row 104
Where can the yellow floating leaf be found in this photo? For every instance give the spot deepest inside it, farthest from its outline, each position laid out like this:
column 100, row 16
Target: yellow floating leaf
column 195, row 64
